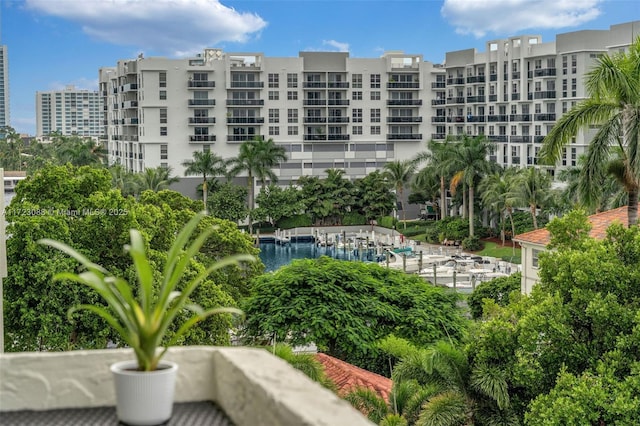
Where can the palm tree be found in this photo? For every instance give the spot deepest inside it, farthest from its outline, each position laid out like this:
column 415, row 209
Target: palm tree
column 497, row 193
column 79, row 151
column 155, row 179
column 122, row 179
column 399, row 173
column 469, row 164
column 257, row 157
column 613, row 104
column 436, row 159
column 532, row 189
column 206, row 164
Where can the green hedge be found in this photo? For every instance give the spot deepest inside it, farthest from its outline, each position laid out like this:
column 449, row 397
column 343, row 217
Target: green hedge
column 387, row 222
column 353, row 218
column 296, row 221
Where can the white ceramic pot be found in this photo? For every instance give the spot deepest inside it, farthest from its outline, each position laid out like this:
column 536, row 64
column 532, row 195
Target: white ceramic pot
column 144, row 398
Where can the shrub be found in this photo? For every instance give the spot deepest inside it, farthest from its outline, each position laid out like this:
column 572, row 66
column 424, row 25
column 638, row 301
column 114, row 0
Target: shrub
column 498, row 290
column 472, row 243
column 387, row 222
column 294, row 221
column 431, row 235
column 354, row 218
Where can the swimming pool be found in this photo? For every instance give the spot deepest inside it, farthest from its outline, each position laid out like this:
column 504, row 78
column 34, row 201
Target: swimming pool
column 274, row 255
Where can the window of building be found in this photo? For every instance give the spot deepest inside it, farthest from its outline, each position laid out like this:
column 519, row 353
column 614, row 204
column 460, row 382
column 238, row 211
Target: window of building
column 292, row 130
column 491, row 130
column 274, row 80
column 292, row 115
column 292, row 81
column 163, row 131
column 514, row 130
column 357, row 95
column 274, row 115
column 357, row 130
column 375, row 115
column 274, row 130
column 574, row 86
column 163, row 115
column 357, row 115
column 292, row 95
column 534, row 257
column 375, row 95
column 164, row 152
column 356, row 81
column 163, row 95
column 162, row 79
column 375, row 81
column 375, row 130
column 274, row 95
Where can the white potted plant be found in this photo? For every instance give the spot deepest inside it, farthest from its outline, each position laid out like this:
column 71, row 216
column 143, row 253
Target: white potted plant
column 145, row 386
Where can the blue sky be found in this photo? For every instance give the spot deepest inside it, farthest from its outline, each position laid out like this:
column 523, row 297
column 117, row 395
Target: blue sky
column 53, row 43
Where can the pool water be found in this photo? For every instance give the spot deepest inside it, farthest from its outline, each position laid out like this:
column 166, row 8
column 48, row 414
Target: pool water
column 274, row 256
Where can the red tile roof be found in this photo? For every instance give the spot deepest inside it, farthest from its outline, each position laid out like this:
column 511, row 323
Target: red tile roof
column 599, row 224
column 348, row 377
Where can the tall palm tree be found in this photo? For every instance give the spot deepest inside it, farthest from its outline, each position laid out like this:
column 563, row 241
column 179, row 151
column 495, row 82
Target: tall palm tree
column 436, row 160
column 206, row 164
column 79, row 151
column 257, row 157
column 613, row 104
column 399, row 173
column 469, row 164
column 155, row 179
column 497, row 193
column 532, row 189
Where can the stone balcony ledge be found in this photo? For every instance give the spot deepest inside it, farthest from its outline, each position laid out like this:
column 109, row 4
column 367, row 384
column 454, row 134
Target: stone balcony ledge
column 251, row 386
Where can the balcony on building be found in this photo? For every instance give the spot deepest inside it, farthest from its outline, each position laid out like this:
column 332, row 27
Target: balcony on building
column 438, row 136
column 338, row 85
column 542, row 72
column 520, row 117
column 497, row 118
column 538, row 139
column 515, row 160
column 493, row 98
column 201, row 102
column 404, row 119
column 515, row 96
column 456, row 100
column 314, row 120
column 245, row 120
column 404, row 102
column 545, row 117
column 129, row 87
column 493, row 77
column 241, row 138
column 315, row 137
column 338, row 102
column 129, row 104
column 439, row 85
column 403, row 85
column 475, row 79
column 245, row 102
column 475, row 119
column 338, row 119
column 129, row 121
column 475, row 99
column 542, row 94
column 337, row 137
column 438, row 119
column 498, row 138
column 202, row 138
column 198, row 84
column 455, row 81
column 515, row 75
column 404, row 136
column 493, row 158
column 215, row 385
column 202, row 120
column 438, row 102
column 247, row 84
column 455, row 119
column 314, row 84
column 314, row 102
column 520, row 139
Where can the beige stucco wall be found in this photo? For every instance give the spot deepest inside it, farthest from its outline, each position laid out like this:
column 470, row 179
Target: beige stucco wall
column 529, row 272
column 252, row 386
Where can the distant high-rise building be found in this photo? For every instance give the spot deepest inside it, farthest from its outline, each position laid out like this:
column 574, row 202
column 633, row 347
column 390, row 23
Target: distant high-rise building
column 70, row 111
column 4, row 87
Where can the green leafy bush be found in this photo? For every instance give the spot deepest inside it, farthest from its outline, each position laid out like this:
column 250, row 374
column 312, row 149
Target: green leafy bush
column 472, row 243
column 295, row 221
column 387, row 222
column 432, row 235
column 354, row 218
column 498, row 290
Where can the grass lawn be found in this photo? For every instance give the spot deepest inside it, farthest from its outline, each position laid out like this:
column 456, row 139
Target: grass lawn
column 498, row 250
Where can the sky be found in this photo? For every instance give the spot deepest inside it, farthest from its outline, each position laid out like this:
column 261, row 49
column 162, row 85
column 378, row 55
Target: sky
column 54, row 43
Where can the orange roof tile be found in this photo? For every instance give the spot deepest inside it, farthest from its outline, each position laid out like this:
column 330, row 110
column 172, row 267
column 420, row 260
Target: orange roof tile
column 599, row 224
column 348, row 377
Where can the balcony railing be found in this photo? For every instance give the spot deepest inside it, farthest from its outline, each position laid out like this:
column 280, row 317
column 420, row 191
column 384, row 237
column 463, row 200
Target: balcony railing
column 515, row 96
column 320, row 137
column 404, row 102
column 403, row 85
column 497, row 118
column 314, row 102
column 493, row 77
column 202, row 138
column 493, row 98
column 314, row 84
column 338, row 102
column 438, row 119
column 545, row 117
column 404, row 119
column 130, row 104
column 202, row 120
column 520, row 117
column 538, row 139
column 515, row 160
column 475, row 119
column 438, row 102
column 438, row 136
column 498, row 138
column 195, row 84
column 202, row 102
column 338, row 119
column 457, row 80
column 543, row 94
column 245, row 102
column 129, row 87
column 455, row 119
column 245, row 120
column 544, row 72
column 404, row 136
column 438, row 85
column 129, row 121
column 472, row 99
column 247, row 84
column 515, row 74
column 476, row 79
column 520, row 139
column 338, row 85
column 456, row 100
column 240, row 138
column 336, row 137
column 315, row 119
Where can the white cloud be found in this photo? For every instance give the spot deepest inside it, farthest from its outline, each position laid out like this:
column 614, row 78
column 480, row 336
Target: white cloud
column 508, row 17
column 175, row 27
column 339, row 46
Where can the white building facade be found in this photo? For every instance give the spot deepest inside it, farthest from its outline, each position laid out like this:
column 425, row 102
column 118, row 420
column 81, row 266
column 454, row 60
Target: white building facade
column 70, row 112
column 4, row 87
column 329, row 110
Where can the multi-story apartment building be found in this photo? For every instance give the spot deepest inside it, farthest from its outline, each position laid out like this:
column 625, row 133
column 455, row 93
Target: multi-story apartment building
column 330, row 110
column 516, row 90
column 4, row 87
column 326, row 109
column 70, row 111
